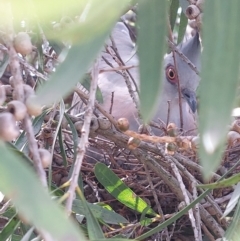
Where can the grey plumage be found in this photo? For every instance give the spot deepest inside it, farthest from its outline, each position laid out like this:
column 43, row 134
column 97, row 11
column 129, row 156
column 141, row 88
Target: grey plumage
column 121, row 102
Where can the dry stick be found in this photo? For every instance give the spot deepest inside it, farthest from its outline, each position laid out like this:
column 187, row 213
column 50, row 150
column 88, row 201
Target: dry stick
column 112, row 98
column 122, row 63
column 33, row 147
column 182, row 56
column 208, row 234
column 119, row 61
column 217, row 209
column 121, row 140
column 117, row 68
column 187, row 201
column 190, row 164
column 84, row 138
column 192, row 180
column 178, row 83
column 220, row 200
column 156, row 199
column 18, row 88
column 81, row 94
column 32, row 69
column 168, row 113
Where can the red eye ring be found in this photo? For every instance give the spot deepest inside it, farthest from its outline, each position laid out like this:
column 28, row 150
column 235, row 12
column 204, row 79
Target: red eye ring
column 171, row 74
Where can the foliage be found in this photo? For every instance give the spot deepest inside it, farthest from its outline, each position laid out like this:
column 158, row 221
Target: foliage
column 67, row 37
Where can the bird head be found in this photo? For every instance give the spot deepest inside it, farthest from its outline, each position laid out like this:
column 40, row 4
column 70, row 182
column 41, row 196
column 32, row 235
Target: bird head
column 188, row 78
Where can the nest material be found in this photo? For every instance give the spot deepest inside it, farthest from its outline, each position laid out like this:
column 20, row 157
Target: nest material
column 149, row 171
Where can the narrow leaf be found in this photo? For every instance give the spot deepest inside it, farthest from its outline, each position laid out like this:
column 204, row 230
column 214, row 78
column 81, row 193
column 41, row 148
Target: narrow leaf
column 61, row 146
column 99, row 212
column 232, row 232
column 75, row 136
column 28, row 234
column 152, row 21
column 9, row 229
column 173, row 12
column 93, row 226
column 83, row 52
column 182, row 27
column 36, row 124
column 118, row 189
column 223, row 183
column 36, row 205
column 233, row 200
column 220, row 72
column 166, row 223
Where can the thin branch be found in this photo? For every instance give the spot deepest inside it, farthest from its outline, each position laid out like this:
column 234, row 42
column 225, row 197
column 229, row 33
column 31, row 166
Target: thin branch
column 183, row 57
column 81, row 94
column 84, row 138
column 187, row 200
column 177, row 77
column 19, row 95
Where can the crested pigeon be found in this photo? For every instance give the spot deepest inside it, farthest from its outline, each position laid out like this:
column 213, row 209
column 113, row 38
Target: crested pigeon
column 116, row 93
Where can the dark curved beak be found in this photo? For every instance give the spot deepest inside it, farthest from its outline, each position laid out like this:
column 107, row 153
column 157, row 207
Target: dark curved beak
column 190, row 97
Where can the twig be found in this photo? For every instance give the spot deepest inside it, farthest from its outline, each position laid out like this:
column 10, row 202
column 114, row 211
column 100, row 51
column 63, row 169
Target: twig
column 34, row 150
column 187, row 200
column 168, row 113
column 121, row 140
column 99, row 107
column 196, row 223
column 156, row 199
column 32, row 69
column 122, row 63
column 183, row 57
column 112, row 100
column 123, row 73
column 117, row 68
column 208, row 234
column 84, row 138
column 177, row 77
column 19, row 93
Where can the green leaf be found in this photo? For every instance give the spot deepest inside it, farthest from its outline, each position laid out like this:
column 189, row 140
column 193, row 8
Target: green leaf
column 36, row 124
column 222, row 184
column 86, row 81
column 83, row 52
column 182, row 27
column 28, row 234
column 9, row 228
column 232, row 232
column 220, row 73
column 173, row 12
column 74, row 134
column 61, row 146
column 165, row 224
column 36, row 205
column 152, row 21
column 93, row 226
column 233, row 200
column 99, row 212
column 116, row 187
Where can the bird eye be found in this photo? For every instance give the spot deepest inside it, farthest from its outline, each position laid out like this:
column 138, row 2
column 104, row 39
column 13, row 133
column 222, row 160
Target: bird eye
column 171, row 74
